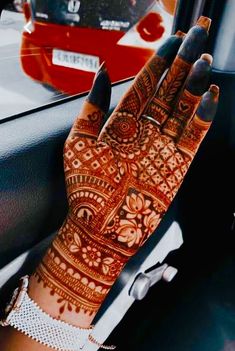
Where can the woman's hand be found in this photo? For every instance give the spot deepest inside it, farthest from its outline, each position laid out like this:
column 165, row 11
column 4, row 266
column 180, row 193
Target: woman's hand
column 122, row 177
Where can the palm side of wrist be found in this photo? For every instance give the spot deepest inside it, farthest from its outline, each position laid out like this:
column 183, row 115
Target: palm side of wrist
column 79, row 269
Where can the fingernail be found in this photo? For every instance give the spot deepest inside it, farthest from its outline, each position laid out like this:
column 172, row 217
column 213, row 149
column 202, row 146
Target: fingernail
column 180, row 34
column 102, row 67
column 100, row 93
column 204, row 22
column 207, row 57
column 208, row 106
column 214, row 89
column 198, row 78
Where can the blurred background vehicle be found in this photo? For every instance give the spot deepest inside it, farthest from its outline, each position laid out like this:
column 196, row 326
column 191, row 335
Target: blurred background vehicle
column 59, row 46
column 64, row 42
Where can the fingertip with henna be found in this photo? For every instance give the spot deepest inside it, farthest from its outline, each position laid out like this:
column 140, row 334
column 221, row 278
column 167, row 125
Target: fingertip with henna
column 100, row 93
column 180, row 34
column 208, row 106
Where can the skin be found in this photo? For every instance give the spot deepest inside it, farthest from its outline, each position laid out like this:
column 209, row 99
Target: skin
column 144, row 161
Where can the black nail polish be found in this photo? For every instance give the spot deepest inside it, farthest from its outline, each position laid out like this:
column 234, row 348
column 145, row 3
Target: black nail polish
column 193, row 44
column 198, row 80
column 170, row 47
column 100, row 93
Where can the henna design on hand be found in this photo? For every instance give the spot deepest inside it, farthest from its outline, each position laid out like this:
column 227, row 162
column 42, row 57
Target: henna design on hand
column 163, row 102
column 121, row 180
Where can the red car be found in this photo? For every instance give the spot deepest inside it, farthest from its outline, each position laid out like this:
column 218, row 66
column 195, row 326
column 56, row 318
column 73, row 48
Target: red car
column 65, row 41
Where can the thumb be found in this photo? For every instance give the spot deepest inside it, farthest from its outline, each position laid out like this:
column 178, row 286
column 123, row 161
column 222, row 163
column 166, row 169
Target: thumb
column 100, row 93
column 90, row 118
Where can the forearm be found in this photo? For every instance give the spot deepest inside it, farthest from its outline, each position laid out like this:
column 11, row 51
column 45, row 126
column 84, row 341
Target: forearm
column 60, row 284
column 42, row 290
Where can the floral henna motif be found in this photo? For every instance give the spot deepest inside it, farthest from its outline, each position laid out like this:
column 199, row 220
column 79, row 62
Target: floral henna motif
column 138, row 220
column 85, row 268
column 136, row 206
column 128, row 136
column 91, row 256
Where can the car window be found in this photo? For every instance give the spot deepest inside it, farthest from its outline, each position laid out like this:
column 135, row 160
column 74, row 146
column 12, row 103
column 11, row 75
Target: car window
column 52, row 49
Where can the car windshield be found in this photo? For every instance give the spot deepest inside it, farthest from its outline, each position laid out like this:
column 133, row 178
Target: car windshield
column 118, row 15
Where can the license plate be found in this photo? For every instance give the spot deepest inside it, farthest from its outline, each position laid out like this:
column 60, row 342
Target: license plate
column 75, row 60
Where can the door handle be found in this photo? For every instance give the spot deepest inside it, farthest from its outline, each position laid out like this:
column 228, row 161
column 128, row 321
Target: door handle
column 144, row 281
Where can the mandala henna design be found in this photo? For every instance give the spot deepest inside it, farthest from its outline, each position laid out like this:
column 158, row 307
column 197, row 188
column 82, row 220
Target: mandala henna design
column 127, row 135
column 120, row 183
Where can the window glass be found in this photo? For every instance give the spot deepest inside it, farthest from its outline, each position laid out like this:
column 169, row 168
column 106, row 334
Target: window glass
column 52, row 49
column 225, row 42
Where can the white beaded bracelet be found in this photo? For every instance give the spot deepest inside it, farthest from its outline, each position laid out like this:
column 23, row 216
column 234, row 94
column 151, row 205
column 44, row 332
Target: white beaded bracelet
column 27, row 317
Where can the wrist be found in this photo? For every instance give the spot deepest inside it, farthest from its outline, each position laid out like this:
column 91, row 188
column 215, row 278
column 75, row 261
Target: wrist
column 48, row 301
column 28, row 317
column 76, row 273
